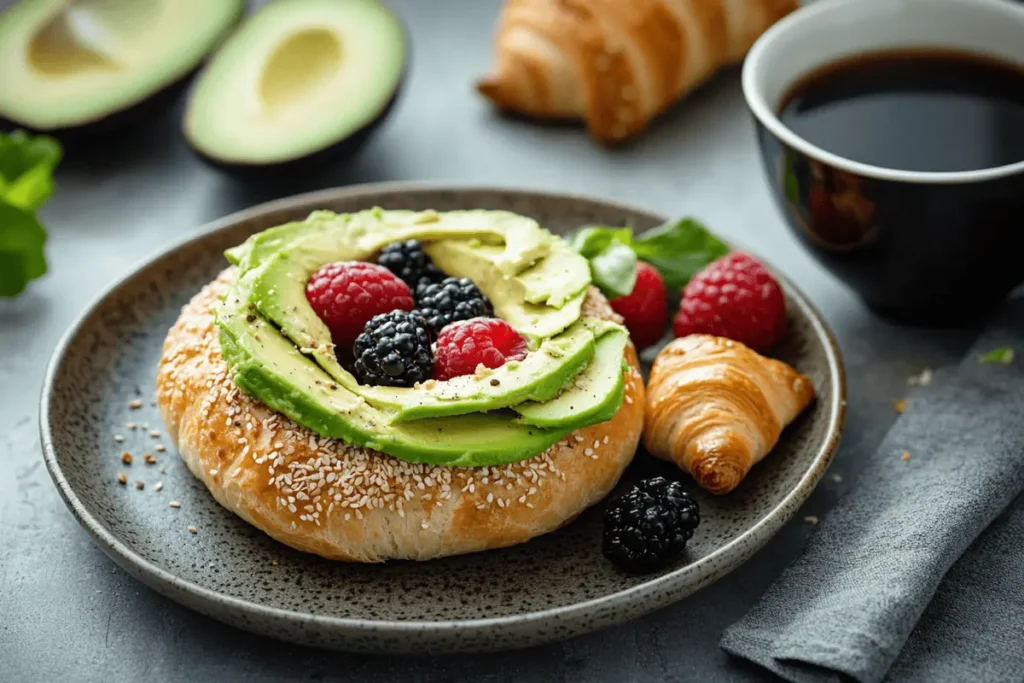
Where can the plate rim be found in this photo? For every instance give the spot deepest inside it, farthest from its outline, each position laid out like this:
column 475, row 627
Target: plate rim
column 671, row 586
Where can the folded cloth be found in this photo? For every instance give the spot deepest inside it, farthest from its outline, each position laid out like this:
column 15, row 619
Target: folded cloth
column 950, row 465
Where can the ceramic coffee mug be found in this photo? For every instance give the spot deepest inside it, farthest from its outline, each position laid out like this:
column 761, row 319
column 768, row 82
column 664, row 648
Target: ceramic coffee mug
column 923, row 247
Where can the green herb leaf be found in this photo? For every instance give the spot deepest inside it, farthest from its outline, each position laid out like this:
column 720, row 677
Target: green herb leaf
column 26, row 182
column 593, row 240
column 614, row 270
column 21, row 249
column 679, row 250
column 1002, row 355
column 26, row 169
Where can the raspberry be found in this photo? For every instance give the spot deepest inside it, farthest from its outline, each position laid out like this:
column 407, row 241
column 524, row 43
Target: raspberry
column 346, row 295
column 464, row 345
column 645, row 308
column 734, row 297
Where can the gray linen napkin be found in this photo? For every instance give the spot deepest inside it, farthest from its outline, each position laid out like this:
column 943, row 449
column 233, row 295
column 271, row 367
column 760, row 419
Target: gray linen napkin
column 848, row 606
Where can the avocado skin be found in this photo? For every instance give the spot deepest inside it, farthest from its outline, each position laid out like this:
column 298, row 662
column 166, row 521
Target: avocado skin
column 348, row 146
column 109, row 129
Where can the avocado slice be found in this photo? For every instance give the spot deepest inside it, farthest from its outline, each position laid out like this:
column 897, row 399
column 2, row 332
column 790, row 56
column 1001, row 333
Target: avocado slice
column 553, row 281
column 72, row 68
column 277, row 263
column 538, row 377
column 463, row 258
column 264, row 364
column 302, row 81
column 595, row 396
column 277, row 289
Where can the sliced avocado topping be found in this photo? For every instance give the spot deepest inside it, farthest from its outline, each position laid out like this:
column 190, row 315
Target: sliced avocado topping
column 538, row 377
column 463, row 258
column 594, row 396
column 551, row 282
column 281, row 352
column 266, row 365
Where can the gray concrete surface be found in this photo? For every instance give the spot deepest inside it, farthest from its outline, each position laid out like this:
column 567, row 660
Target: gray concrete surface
column 66, row 611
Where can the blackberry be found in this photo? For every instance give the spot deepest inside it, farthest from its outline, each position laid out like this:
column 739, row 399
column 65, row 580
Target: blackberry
column 394, row 350
column 407, row 261
column 648, row 526
column 450, row 300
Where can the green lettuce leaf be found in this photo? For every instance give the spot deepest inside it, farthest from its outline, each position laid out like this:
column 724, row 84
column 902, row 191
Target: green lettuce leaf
column 26, row 182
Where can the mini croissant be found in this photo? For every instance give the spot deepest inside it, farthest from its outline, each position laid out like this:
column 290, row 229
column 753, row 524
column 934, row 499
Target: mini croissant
column 716, row 408
column 617, row 64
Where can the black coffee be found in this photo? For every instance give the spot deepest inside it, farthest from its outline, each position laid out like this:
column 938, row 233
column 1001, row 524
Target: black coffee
column 913, row 110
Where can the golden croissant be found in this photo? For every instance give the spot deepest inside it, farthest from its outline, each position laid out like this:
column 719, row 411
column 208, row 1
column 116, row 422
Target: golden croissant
column 716, row 408
column 616, row 64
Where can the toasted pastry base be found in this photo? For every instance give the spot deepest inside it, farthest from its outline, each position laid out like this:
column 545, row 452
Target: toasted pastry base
column 322, row 496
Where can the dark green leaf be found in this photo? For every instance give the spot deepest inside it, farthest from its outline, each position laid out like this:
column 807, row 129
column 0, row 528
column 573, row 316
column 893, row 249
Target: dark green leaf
column 1002, row 355
column 22, row 259
column 592, row 240
column 679, row 250
column 614, row 270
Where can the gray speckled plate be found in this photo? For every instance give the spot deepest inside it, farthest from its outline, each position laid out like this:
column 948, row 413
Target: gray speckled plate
column 552, row 587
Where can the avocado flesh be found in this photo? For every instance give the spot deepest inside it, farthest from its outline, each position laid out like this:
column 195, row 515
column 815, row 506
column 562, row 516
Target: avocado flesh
column 595, row 395
column 463, row 258
column 266, row 365
column 298, row 77
column 366, row 232
column 552, row 281
column 68, row 65
column 277, row 264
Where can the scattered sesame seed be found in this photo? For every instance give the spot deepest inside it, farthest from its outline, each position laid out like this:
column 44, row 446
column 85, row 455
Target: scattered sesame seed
column 159, row 486
column 163, row 469
column 214, row 472
column 837, row 478
column 126, row 458
column 425, row 524
column 131, row 425
column 135, row 405
column 193, row 530
column 160, row 448
column 150, row 460
column 121, row 479
column 905, row 456
column 155, row 434
column 118, row 438
column 274, row 562
column 175, row 504
column 139, row 484
column 812, row 520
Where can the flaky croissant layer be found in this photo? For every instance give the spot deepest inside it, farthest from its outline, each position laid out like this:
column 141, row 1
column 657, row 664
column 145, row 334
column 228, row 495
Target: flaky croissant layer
column 716, row 408
column 616, row 64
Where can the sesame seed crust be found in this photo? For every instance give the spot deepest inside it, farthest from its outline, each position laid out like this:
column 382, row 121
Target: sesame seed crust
column 342, row 502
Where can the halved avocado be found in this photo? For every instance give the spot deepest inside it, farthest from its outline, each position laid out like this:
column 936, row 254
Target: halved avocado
column 71, row 68
column 302, row 81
